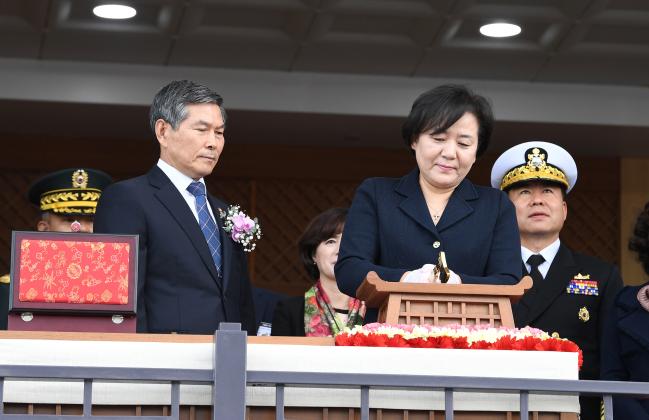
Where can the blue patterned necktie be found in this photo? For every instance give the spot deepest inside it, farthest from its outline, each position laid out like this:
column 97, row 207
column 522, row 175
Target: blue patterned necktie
column 207, row 224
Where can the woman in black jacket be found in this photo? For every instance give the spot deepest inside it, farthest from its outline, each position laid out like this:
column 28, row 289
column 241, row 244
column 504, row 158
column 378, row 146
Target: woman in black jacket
column 323, row 310
column 625, row 346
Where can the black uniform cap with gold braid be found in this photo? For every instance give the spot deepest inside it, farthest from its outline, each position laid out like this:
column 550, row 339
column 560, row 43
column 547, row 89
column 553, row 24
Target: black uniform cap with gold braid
column 534, row 161
column 69, row 192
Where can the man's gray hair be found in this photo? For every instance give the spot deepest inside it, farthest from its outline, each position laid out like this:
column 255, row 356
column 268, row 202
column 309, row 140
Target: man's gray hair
column 170, row 102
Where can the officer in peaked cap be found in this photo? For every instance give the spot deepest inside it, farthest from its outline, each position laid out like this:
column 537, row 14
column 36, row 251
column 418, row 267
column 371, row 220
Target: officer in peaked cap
column 572, row 292
column 534, row 161
column 67, row 200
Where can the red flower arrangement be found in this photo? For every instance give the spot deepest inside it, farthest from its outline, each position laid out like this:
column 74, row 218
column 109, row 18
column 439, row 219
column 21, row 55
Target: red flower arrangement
column 455, row 337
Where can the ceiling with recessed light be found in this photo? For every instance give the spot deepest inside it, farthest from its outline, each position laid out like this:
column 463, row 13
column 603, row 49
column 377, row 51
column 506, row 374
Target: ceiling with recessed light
column 570, row 41
column 582, row 44
column 114, row 11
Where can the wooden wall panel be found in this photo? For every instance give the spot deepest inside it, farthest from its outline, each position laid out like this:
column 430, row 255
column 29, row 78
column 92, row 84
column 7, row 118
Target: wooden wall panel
column 634, row 187
column 15, row 213
column 285, row 187
column 593, row 223
column 286, row 207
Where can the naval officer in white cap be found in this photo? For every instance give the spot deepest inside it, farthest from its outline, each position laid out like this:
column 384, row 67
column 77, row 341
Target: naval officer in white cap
column 572, row 293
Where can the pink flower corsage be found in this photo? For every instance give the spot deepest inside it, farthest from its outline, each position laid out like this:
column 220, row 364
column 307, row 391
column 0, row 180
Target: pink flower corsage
column 241, row 227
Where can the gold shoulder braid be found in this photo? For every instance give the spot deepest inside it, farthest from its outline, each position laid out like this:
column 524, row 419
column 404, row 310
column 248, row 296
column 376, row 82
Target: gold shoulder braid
column 535, row 168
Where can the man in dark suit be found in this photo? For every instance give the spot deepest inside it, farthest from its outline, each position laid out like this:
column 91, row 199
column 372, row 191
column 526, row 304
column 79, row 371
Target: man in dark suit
column 67, row 200
column 573, row 293
column 265, row 301
column 192, row 275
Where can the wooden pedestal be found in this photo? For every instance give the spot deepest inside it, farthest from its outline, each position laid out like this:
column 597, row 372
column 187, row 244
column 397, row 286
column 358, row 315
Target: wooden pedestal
column 442, row 304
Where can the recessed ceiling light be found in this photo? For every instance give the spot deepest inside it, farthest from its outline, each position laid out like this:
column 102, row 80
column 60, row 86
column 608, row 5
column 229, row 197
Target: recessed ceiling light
column 114, row 11
column 500, row 30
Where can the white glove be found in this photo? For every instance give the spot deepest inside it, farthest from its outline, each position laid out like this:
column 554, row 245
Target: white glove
column 420, row 275
column 452, row 279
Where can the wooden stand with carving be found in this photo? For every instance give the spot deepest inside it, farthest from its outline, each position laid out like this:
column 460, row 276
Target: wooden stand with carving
column 442, row 304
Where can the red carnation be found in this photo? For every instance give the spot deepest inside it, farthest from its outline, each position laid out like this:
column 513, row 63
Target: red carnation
column 358, row 340
column 445, row 342
column 396, row 341
column 580, row 359
column 503, row 343
column 545, row 345
column 375, row 340
column 526, row 343
column 421, row 342
column 480, row 345
column 343, row 340
column 569, row 346
column 461, row 343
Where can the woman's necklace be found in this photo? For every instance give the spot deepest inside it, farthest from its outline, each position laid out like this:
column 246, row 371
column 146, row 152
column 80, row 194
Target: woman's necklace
column 436, row 202
column 436, row 215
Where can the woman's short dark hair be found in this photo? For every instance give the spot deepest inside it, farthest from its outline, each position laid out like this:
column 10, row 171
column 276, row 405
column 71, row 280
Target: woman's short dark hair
column 324, row 226
column 639, row 241
column 441, row 107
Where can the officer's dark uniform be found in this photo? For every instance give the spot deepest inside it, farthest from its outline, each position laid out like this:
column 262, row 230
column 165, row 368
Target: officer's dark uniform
column 70, row 192
column 578, row 317
column 578, row 291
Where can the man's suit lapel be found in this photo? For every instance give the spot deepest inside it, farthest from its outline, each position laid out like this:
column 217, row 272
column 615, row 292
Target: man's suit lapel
column 541, row 296
column 177, row 206
column 226, row 241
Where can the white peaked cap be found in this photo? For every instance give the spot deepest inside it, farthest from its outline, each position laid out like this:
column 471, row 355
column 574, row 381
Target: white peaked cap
column 534, row 160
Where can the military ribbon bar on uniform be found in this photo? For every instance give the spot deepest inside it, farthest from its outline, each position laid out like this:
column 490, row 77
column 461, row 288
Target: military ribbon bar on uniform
column 582, row 287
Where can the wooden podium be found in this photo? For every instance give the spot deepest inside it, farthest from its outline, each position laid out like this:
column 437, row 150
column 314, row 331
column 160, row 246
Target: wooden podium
column 442, row 304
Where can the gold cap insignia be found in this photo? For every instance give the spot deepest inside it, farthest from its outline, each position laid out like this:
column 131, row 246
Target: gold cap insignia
column 536, row 167
column 80, row 178
column 584, row 315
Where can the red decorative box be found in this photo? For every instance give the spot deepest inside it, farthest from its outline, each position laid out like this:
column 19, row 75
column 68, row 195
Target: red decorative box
column 73, row 282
